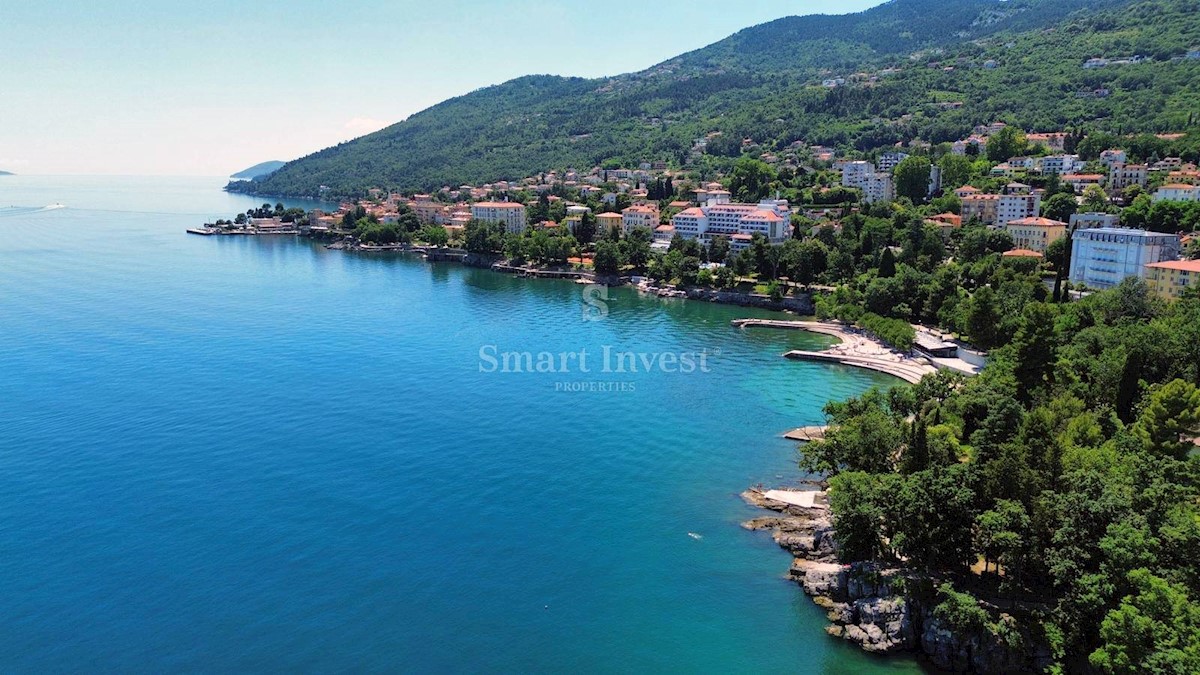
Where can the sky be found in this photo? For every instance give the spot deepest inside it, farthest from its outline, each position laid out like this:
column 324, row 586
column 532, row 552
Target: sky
column 208, row 88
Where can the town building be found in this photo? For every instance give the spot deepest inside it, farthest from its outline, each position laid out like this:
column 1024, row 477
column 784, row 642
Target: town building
column 1169, row 279
column 876, row 186
column 1112, row 157
column 1035, row 234
column 1121, row 176
column 1017, row 206
column 1101, row 257
column 979, row 206
column 639, row 215
column 1177, row 192
column 1022, row 253
column 510, row 215
column 1080, row 181
column 1085, row 220
column 879, row 188
column 1054, row 142
column 889, row 160
column 1059, row 164
column 770, row 218
column 606, row 221
column 854, row 174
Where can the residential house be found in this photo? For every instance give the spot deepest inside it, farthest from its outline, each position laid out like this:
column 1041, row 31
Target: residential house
column 1121, row 176
column 1058, row 164
column 1054, row 142
column 1080, row 181
column 1109, row 158
column 1102, row 257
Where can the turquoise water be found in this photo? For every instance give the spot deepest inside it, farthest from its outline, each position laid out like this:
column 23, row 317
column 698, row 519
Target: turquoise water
column 253, row 454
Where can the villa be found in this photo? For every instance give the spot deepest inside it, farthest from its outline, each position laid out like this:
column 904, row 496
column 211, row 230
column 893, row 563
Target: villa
column 1035, row 234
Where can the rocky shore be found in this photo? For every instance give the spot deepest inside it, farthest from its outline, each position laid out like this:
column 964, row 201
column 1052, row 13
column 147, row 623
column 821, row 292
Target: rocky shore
column 884, row 610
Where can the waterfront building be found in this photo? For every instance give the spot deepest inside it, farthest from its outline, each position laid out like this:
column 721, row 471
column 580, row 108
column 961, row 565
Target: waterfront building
column 509, row 214
column 769, row 218
column 1101, row 257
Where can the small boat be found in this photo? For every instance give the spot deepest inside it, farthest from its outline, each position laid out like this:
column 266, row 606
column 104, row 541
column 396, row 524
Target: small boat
column 695, row 536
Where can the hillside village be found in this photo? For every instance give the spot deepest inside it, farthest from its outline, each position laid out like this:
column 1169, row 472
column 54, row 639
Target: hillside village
column 1124, row 214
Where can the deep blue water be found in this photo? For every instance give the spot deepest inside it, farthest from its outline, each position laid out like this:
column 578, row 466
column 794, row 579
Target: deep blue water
column 253, row 454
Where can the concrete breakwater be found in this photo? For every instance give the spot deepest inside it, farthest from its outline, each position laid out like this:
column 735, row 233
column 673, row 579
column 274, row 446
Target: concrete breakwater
column 856, row 348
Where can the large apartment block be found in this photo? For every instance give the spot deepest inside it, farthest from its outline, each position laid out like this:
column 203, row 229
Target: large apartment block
column 1102, row 257
column 877, row 186
column 738, row 222
column 511, row 215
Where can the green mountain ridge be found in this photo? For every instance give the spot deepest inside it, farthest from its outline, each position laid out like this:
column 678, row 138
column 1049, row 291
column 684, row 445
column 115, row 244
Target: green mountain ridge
column 260, row 170
column 763, row 83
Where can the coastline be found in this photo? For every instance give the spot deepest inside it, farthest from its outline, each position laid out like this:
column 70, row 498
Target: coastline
column 888, row 611
column 804, row 531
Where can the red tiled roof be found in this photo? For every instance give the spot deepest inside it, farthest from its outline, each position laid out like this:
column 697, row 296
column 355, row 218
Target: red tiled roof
column 499, row 205
column 1037, row 222
column 1181, row 265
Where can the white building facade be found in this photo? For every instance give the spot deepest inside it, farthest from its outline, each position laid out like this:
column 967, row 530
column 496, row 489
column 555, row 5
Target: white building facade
column 510, row 215
column 1016, row 207
column 1102, row 257
column 770, row 218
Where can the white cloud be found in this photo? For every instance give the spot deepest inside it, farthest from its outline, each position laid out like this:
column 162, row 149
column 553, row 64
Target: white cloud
column 13, row 163
column 364, row 125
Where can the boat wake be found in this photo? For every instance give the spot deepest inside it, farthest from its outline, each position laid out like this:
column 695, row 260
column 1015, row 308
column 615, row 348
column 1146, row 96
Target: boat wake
column 15, row 211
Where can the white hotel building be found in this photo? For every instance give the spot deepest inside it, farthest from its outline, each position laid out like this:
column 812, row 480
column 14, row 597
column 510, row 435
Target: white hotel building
column 1102, row 257
column 511, row 215
column 738, row 222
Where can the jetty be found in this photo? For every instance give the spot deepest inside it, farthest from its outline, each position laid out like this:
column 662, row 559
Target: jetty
column 806, row 499
column 808, row 326
column 525, row 271
column 807, row 434
column 856, row 348
column 908, row 369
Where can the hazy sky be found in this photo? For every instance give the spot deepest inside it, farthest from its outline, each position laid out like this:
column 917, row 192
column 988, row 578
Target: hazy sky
column 209, row 87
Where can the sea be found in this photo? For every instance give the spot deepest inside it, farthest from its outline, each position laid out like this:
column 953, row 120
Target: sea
column 253, row 454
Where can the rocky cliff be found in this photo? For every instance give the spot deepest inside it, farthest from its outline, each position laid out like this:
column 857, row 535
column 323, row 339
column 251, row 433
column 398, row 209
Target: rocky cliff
column 888, row 610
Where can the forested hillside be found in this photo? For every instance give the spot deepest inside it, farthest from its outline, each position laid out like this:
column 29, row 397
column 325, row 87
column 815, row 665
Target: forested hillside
column 928, row 70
